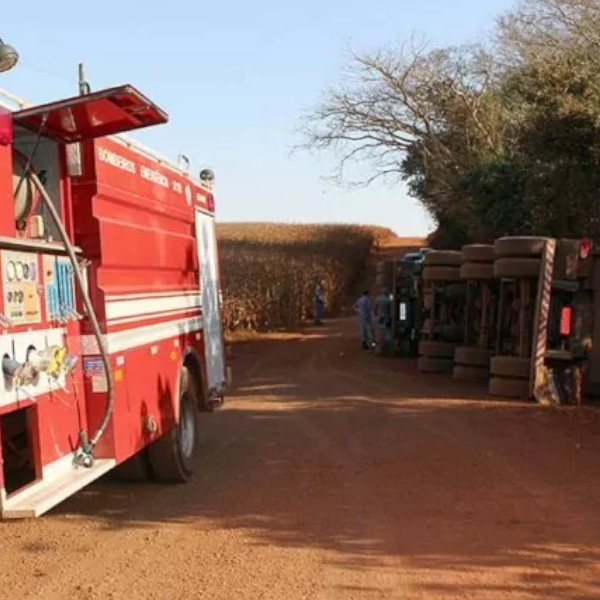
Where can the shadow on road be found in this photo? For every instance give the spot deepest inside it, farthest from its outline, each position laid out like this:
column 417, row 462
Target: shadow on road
column 322, row 446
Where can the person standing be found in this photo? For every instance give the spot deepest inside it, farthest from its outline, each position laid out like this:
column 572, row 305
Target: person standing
column 318, row 304
column 383, row 313
column 363, row 311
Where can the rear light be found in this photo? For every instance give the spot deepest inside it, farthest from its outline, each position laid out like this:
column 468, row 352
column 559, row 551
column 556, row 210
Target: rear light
column 210, row 203
column 6, row 127
column 565, row 320
column 585, row 248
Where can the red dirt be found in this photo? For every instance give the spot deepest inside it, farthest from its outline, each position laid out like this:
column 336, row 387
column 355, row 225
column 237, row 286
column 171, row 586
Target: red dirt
column 337, row 474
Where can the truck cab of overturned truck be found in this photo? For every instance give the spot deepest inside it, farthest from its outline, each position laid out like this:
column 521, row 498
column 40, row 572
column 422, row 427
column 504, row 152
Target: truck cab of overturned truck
column 573, row 319
column 110, row 301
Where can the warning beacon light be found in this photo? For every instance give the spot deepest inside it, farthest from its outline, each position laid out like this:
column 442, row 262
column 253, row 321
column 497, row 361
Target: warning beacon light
column 8, row 57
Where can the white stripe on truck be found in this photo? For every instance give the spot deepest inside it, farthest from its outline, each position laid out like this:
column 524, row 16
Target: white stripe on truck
column 141, row 336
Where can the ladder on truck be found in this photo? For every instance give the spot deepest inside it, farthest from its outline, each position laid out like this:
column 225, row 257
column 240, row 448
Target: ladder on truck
column 549, row 367
column 541, row 382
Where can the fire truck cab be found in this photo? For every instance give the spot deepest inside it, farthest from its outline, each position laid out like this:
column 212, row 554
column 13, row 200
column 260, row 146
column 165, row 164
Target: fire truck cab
column 110, row 302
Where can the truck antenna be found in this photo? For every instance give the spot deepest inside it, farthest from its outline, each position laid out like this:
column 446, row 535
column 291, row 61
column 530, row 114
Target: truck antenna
column 84, row 86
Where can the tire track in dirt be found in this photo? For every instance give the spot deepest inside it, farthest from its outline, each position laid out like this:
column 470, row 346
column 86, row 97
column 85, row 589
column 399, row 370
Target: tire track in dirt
column 334, row 474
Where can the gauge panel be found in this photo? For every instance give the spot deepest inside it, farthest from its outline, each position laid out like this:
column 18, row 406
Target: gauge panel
column 21, row 289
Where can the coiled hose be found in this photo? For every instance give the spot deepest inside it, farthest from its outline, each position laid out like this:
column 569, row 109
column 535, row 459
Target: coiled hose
column 86, row 447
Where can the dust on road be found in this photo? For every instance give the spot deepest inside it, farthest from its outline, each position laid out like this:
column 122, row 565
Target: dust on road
column 333, row 474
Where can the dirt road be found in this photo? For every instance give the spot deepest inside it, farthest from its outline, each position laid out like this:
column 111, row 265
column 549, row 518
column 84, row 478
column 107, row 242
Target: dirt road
column 333, row 474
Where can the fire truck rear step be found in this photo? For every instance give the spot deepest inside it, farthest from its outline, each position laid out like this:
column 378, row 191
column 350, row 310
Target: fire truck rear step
column 43, row 496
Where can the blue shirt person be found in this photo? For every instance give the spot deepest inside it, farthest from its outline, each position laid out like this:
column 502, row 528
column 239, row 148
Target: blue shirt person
column 319, row 304
column 363, row 311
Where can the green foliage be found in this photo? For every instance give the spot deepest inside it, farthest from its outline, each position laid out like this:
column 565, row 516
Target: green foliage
column 493, row 142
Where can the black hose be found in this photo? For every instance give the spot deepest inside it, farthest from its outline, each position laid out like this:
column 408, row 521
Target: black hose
column 89, row 446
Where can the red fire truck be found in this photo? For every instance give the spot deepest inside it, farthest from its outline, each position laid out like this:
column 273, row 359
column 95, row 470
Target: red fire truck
column 110, row 304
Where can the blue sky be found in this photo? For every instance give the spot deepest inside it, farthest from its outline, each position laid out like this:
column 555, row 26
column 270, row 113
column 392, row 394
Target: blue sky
column 235, row 78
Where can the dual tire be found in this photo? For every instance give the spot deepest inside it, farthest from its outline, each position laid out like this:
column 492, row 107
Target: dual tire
column 436, row 357
column 510, row 377
column 471, row 364
column 442, row 266
column 477, row 262
column 518, row 257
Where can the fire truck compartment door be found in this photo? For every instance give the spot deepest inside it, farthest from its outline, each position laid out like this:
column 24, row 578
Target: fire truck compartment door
column 211, row 310
column 90, row 116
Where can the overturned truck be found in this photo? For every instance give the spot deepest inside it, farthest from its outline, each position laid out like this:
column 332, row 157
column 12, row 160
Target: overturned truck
column 547, row 297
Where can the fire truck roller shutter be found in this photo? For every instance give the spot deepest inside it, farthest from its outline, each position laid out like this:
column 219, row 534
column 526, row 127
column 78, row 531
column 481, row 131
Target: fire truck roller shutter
column 172, row 455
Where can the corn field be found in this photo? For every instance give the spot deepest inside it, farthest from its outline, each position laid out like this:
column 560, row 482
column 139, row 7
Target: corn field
column 269, row 271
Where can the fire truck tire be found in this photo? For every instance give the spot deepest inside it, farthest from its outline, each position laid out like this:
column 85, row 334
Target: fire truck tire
column 443, row 258
column 475, row 271
column 426, row 364
column 524, row 246
column 441, row 274
column 172, row 455
column 517, row 268
column 474, row 374
column 509, row 388
column 510, row 366
column 472, row 357
column 478, row 253
column 436, row 349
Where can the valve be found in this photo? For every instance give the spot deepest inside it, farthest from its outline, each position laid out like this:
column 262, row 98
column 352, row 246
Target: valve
column 54, row 361
column 84, row 454
column 5, row 322
column 83, row 458
column 150, row 424
column 21, row 373
column 71, row 313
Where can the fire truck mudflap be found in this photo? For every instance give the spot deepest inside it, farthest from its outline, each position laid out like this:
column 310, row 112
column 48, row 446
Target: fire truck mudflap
column 112, row 338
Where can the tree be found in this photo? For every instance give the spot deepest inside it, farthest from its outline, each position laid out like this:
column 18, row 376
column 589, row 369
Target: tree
column 423, row 116
column 491, row 142
column 555, row 88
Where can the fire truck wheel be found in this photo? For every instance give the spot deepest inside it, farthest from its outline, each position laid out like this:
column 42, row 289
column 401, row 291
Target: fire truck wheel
column 474, row 374
column 172, row 455
column 519, row 246
column 472, row 270
column 478, row 253
column 472, row 357
column 427, row 364
column 517, row 268
column 436, row 349
column 509, row 388
column 441, row 274
column 510, row 366
column 443, row 258
column 136, row 468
